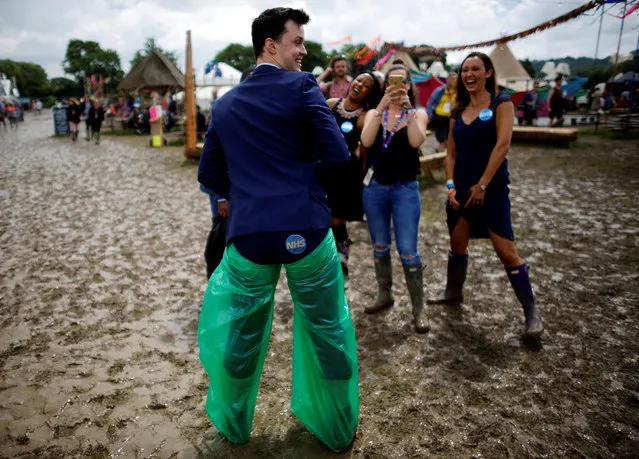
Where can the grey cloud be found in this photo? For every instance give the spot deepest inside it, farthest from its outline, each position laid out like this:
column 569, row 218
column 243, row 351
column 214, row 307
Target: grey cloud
column 124, row 24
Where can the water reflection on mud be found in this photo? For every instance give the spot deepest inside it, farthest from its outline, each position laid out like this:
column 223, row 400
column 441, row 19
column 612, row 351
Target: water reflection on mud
column 102, row 273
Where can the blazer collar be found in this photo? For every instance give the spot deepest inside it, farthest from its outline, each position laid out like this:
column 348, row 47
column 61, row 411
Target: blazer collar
column 266, row 69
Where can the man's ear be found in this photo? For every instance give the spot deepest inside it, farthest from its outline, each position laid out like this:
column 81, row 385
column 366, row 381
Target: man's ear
column 270, row 46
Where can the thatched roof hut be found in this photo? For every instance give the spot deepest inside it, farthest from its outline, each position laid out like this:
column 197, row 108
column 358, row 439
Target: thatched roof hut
column 153, row 72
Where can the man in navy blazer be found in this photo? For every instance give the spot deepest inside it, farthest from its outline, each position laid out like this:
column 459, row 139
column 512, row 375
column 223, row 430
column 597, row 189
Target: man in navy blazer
column 263, row 152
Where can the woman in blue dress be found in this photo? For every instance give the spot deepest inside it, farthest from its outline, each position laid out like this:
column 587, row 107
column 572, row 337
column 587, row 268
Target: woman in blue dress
column 477, row 170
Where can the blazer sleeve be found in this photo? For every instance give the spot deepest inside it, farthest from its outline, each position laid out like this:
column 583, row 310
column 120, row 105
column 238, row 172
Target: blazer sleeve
column 213, row 171
column 330, row 142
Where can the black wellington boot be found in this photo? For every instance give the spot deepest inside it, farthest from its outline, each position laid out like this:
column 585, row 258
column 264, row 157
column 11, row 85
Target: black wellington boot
column 384, row 275
column 521, row 284
column 415, row 284
column 455, row 278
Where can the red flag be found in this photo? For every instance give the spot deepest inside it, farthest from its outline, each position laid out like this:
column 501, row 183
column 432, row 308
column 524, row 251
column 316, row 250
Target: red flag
column 366, row 57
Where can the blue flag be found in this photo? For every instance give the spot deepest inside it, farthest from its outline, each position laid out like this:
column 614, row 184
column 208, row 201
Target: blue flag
column 212, row 66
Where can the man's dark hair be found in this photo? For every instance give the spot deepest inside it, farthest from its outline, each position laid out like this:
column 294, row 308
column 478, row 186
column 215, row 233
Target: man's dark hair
column 272, row 24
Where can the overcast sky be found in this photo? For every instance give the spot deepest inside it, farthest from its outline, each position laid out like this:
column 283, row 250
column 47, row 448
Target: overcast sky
column 39, row 30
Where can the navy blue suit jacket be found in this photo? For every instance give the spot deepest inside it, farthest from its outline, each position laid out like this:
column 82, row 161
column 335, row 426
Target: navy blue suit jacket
column 265, row 141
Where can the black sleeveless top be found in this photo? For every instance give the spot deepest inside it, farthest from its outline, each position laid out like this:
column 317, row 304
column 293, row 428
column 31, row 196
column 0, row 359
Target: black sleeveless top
column 400, row 161
column 348, row 128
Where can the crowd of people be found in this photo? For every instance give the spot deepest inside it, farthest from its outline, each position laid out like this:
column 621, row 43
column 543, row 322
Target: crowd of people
column 531, row 103
column 288, row 161
column 89, row 109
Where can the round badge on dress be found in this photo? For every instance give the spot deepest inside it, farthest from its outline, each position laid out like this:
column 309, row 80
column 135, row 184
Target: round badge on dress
column 485, row 114
column 347, row 127
column 295, row 244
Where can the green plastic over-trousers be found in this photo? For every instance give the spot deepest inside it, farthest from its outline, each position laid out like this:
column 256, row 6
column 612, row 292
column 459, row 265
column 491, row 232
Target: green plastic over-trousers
column 234, row 330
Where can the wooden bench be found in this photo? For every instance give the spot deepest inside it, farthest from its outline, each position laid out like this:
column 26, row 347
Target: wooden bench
column 621, row 121
column 534, row 134
column 432, row 162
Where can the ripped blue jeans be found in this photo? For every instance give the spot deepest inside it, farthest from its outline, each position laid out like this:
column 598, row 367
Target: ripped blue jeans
column 401, row 202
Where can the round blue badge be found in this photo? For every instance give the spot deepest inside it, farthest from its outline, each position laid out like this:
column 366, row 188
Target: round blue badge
column 347, row 127
column 485, row 114
column 295, row 244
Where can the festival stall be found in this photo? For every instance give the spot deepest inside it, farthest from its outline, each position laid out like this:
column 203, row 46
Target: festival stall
column 153, row 76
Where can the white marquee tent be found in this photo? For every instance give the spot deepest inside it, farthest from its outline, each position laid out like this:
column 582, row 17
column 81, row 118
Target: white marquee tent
column 229, row 76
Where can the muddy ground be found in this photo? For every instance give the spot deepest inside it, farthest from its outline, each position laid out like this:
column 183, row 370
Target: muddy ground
column 102, row 271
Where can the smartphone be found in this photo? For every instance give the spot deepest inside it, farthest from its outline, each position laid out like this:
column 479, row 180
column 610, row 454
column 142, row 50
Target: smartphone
column 396, row 80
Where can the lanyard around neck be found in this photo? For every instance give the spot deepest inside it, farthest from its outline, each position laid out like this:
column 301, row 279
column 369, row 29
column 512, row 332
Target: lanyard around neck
column 387, row 135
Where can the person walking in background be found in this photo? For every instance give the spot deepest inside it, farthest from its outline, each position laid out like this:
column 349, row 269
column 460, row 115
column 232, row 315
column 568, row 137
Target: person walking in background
column 477, row 170
column 338, row 86
column 530, row 105
column 11, row 115
column 96, row 117
column 393, row 133
column 3, row 108
column 38, row 107
column 87, row 107
column 74, row 114
column 200, row 123
column 438, row 108
column 556, row 104
column 263, row 150
column 343, row 182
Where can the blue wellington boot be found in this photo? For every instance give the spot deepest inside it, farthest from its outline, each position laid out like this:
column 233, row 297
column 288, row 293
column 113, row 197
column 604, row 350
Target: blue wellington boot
column 521, row 284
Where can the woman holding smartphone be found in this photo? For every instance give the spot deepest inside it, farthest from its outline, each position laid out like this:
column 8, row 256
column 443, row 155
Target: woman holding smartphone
column 393, row 133
column 343, row 182
column 477, row 171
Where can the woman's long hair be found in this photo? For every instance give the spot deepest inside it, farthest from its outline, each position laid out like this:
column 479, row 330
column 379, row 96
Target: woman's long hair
column 463, row 97
column 411, row 90
column 376, row 93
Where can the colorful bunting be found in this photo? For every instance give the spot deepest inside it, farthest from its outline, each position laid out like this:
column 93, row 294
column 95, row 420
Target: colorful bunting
column 366, row 57
column 347, row 38
column 628, row 13
column 383, row 60
column 546, row 25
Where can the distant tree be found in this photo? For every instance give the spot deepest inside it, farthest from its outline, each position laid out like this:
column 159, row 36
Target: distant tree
column 529, row 67
column 600, row 74
column 150, row 45
column 64, row 87
column 31, row 79
column 85, row 58
column 237, row 55
column 316, row 56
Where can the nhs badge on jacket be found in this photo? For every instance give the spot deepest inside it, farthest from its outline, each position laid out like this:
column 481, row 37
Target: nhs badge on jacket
column 347, row 127
column 295, row 244
column 485, row 114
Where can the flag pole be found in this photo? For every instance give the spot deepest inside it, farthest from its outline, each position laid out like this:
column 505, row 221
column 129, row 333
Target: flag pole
column 623, row 18
column 189, row 104
column 594, row 61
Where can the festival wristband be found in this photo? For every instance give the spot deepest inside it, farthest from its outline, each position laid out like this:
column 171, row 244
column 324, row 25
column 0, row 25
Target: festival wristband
column 450, row 184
